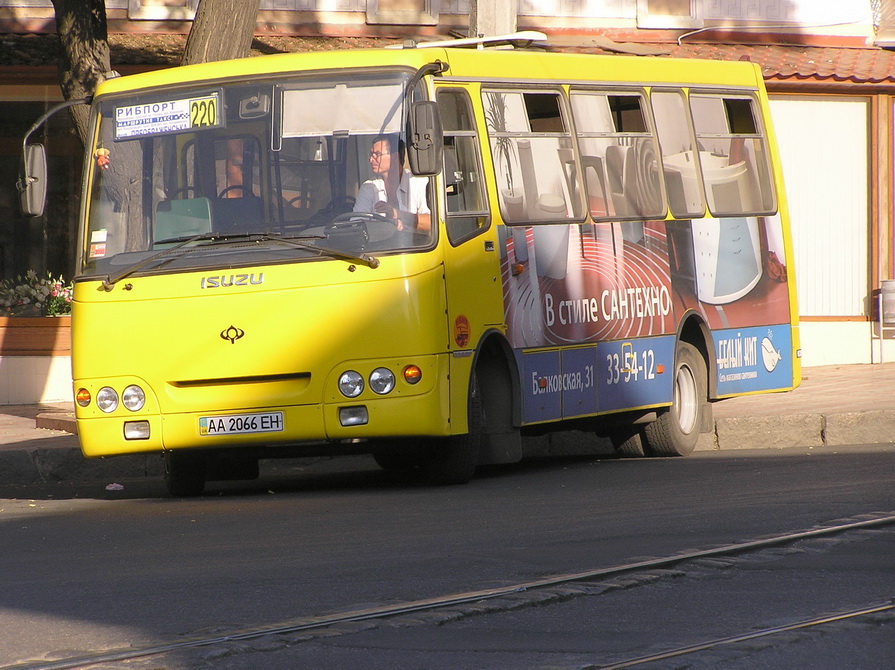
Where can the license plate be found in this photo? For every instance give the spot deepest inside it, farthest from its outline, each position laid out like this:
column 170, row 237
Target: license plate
column 235, row 424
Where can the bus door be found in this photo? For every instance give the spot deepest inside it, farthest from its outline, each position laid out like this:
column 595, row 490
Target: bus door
column 472, row 262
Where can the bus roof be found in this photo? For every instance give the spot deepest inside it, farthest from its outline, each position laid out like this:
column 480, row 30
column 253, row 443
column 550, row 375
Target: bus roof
column 475, row 64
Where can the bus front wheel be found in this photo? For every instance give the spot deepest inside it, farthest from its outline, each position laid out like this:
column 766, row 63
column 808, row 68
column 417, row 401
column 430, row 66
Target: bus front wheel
column 453, row 460
column 184, row 474
column 675, row 431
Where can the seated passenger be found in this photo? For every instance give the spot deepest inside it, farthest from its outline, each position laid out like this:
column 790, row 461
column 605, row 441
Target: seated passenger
column 394, row 192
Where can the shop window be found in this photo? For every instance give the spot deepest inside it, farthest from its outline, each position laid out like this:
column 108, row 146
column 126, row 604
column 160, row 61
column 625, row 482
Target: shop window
column 403, row 12
column 45, row 243
column 161, row 10
column 669, row 14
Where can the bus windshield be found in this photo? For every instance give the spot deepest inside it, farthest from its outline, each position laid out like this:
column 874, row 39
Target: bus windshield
column 224, row 173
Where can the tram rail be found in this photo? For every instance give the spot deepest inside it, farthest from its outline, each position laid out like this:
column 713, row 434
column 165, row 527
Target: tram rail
column 316, row 623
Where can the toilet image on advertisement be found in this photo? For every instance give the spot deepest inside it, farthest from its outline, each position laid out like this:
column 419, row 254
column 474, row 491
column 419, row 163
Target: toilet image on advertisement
column 551, row 241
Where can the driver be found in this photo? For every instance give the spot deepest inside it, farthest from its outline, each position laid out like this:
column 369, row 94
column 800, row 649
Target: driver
column 393, row 191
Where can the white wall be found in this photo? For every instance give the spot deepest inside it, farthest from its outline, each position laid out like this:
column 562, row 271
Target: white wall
column 823, row 142
column 25, row 380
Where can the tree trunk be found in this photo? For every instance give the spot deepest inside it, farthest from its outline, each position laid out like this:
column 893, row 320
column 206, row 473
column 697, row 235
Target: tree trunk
column 222, row 29
column 85, row 60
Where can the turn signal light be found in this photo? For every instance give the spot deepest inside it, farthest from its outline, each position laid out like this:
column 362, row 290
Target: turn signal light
column 412, row 374
column 83, row 397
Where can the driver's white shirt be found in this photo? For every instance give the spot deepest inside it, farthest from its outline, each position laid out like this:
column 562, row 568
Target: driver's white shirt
column 411, row 194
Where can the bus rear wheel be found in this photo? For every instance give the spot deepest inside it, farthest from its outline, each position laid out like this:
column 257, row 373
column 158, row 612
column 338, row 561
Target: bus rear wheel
column 676, row 430
column 628, row 442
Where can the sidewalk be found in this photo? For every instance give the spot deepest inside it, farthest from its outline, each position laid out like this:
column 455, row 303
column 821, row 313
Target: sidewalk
column 835, row 406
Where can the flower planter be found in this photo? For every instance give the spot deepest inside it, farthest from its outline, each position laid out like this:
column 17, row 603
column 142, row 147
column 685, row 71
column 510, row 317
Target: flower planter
column 35, row 336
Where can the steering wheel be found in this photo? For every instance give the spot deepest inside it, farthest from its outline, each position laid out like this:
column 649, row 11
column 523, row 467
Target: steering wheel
column 245, row 190
column 366, row 217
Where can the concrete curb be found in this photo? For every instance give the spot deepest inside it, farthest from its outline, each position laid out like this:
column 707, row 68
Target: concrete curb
column 64, row 421
column 805, row 430
column 40, row 464
column 39, row 461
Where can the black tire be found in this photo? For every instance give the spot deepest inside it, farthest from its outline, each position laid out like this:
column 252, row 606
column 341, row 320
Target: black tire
column 184, row 474
column 402, row 458
column 676, row 430
column 453, row 460
column 628, row 442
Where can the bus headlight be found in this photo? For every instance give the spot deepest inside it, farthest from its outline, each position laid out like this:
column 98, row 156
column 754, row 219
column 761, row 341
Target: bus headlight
column 351, row 384
column 133, row 398
column 107, row 399
column 382, row 381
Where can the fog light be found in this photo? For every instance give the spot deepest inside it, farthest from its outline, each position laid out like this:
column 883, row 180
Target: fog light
column 353, row 416
column 107, row 399
column 136, row 430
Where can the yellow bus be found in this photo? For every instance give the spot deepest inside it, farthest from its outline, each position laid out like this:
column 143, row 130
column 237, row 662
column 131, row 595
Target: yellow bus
column 425, row 254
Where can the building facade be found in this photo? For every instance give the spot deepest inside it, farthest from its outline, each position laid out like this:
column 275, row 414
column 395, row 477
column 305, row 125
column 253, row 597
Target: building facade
column 826, row 64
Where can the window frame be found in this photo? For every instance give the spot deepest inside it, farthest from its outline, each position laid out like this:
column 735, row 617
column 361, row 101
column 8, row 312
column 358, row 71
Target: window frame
column 649, row 133
column 484, row 214
column 763, row 170
column 575, row 201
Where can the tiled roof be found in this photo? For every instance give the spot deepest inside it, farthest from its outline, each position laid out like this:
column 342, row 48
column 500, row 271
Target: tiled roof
column 858, row 65
column 798, row 63
column 780, row 63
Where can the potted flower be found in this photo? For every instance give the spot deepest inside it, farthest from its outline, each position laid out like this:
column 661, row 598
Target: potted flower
column 35, row 296
column 24, row 304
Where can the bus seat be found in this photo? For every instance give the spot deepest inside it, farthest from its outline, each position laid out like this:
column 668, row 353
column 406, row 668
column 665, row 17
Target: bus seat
column 237, row 214
column 181, row 218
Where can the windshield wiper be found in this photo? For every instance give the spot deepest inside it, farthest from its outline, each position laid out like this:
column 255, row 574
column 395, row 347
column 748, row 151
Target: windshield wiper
column 180, row 242
column 364, row 259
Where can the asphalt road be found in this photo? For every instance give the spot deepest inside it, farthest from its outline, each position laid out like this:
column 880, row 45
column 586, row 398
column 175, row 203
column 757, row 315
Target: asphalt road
column 86, row 569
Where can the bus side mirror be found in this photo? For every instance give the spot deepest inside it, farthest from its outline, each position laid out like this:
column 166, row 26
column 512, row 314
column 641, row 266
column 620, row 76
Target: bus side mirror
column 32, row 184
column 425, row 139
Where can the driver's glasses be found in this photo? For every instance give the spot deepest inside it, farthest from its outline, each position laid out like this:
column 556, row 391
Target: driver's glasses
column 376, row 155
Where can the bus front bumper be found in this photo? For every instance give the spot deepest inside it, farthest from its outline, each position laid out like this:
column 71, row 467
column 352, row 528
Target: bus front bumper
column 286, row 426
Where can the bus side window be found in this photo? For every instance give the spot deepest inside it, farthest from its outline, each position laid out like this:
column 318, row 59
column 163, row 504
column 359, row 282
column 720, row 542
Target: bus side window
column 618, row 155
column 732, row 155
column 533, row 155
column 465, row 210
column 682, row 184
